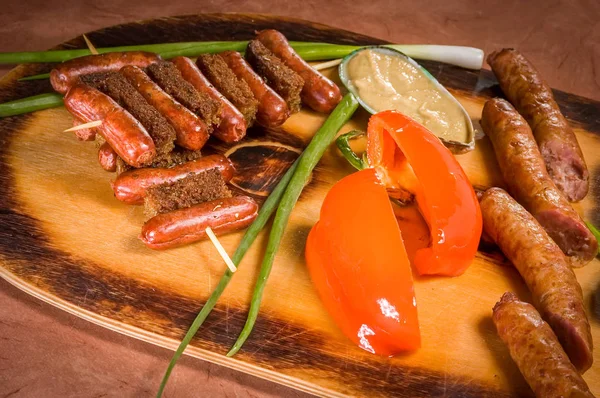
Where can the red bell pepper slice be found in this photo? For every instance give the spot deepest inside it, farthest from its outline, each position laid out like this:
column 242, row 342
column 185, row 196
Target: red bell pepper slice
column 358, row 264
column 406, row 155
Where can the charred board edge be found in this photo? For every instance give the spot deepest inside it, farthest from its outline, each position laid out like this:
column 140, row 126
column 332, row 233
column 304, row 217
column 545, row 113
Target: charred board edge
column 27, row 253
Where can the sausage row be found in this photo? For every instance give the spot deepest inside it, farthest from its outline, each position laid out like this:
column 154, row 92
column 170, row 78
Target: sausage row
column 542, row 235
column 229, row 70
column 148, row 99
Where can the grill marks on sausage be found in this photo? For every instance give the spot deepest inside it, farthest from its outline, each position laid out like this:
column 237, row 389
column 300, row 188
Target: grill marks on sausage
column 536, row 351
column 121, row 91
column 287, row 83
column 525, row 174
column 234, row 89
column 553, row 284
column 189, row 191
column 170, row 80
column 533, row 98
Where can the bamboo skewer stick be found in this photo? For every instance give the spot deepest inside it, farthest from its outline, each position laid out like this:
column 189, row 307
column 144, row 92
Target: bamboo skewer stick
column 220, row 249
column 90, row 46
column 87, row 125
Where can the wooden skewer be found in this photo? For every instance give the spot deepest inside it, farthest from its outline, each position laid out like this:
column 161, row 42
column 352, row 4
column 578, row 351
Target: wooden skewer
column 220, row 249
column 91, row 47
column 87, row 125
column 328, row 64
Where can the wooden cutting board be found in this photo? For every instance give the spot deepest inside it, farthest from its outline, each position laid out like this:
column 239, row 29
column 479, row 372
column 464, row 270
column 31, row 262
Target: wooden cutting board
column 66, row 240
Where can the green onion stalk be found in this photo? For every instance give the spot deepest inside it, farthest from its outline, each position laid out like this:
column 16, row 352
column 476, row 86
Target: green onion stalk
column 311, row 156
column 283, row 196
column 30, row 104
column 466, row 57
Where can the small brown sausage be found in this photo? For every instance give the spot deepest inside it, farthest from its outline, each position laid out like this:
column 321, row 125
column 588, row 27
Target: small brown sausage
column 107, row 157
column 122, row 131
column 83, row 134
column 183, row 226
column 536, row 351
column 525, row 174
column 130, row 187
column 553, row 285
column 319, row 93
column 192, row 132
column 66, row 74
column 233, row 125
column 272, row 109
column 533, row 98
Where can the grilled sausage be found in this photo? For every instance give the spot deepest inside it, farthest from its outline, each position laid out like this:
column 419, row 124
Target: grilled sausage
column 533, row 98
column 272, row 109
column 180, row 227
column 319, row 93
column 525, row 174
column 130, row 187
column 83, row 134
column 233, row 125
column 121, row 130
column 107, row 157
column 535, row 350
column 554, row 288
column 192, row 133
column 67, row 74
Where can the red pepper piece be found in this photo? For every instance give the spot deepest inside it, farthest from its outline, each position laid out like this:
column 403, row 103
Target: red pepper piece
column 408, row 156
column 358, row 264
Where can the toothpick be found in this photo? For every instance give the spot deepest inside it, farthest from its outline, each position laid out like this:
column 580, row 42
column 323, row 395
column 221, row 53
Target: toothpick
column 90, row 45
column 220, row 249
column 328, row 64
column 87, row 125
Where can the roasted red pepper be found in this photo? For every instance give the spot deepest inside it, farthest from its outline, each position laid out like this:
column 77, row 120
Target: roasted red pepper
column 408, row 156
column 355, row 253
column 358, row 264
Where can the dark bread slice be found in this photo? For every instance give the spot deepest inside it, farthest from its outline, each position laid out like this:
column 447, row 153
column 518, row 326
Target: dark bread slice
column 189, row 191
column 168, row 77
column 287, row 83
column 119, row 89
column 227, row 83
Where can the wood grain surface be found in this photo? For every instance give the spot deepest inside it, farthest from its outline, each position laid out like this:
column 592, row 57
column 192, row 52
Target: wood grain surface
column 574, row 108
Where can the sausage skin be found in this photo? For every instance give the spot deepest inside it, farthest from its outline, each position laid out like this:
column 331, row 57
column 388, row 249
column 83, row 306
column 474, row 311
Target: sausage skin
column 524, row 172
column 107, row 157
column 67, row 74
column 319, row 93
column 183, row 226
column 233, row 125
column 272, row 109
column 553, row 285
column 130, row 187
column 83, row 134
column 192, row 133
column 533, row 98
column 122, row 131
column 536, row 351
